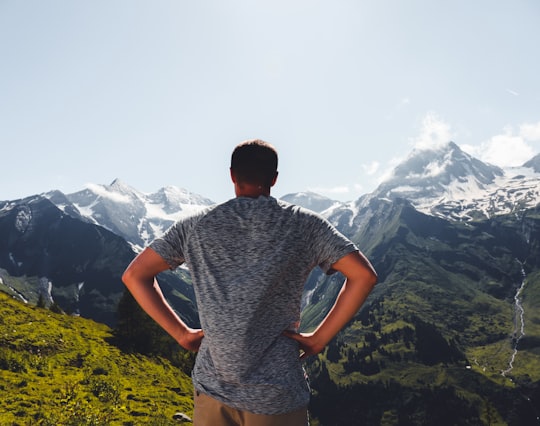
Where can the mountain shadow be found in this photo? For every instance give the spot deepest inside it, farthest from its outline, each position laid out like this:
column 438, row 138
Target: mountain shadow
column 51, row 256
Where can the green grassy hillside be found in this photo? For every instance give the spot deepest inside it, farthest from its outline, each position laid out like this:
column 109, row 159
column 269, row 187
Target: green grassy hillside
column 57, row 369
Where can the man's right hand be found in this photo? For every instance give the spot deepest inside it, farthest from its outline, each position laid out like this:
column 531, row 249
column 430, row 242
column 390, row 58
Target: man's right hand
column 192, row 339
column 307, row 342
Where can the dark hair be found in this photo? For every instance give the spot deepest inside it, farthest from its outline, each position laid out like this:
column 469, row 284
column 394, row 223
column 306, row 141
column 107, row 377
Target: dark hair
column 255, row 161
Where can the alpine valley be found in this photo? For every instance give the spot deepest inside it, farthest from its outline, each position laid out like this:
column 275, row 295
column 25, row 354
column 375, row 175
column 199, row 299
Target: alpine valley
column 449, row 336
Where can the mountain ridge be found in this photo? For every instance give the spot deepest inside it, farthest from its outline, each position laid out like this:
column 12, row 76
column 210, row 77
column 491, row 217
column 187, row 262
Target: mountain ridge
column 136, row 216
column 443, row 181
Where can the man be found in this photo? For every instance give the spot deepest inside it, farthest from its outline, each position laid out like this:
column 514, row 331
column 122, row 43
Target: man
column 249, row 259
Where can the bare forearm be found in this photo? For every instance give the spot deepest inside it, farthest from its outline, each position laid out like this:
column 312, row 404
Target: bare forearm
column 140, row 280
column 351, row 297
column 360, row 279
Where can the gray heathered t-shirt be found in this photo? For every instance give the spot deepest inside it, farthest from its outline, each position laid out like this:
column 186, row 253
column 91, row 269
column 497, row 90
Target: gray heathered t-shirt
column 249, row 259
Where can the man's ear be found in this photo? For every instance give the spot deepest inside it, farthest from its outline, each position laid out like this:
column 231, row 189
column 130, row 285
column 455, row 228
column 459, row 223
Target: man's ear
column 274, row 180
column 233, row 177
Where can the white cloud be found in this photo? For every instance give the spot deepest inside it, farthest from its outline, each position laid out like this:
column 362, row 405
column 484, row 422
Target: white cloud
column 389, row 169
column 371, row 168
column 507, row 149
column 103, row 192
column 473, row 150
column 433, row 133
column 530, row 132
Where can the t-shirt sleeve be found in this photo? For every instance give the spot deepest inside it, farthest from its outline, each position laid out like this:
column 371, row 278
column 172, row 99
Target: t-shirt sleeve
column 330, row 246
column 172, row 245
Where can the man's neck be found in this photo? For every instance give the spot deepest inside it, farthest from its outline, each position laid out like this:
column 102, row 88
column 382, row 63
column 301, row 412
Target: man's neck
column 251, row 190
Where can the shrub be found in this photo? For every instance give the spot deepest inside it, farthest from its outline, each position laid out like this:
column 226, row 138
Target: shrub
column 105, row 390
column 11, row 361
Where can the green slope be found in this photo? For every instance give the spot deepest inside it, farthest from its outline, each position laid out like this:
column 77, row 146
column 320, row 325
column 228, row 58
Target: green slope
column 61, row 370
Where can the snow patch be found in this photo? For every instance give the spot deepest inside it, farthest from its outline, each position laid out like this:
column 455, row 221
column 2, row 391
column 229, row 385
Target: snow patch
column 13, row 260
column 517, row 189
column 45, row 287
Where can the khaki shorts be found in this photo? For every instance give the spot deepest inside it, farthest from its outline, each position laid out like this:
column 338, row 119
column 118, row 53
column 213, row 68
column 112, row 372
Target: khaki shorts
column 210, row 412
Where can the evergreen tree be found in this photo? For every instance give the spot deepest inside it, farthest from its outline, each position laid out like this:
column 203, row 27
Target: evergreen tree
column 41, row 301
column 137, row 332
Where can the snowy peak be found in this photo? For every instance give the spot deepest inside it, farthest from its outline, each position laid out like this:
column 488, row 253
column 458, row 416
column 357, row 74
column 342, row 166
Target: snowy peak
column 119, row 185
column 533, row 163
column 311, row 201
column 448, row 182
column 115, row 193
column 171, row 198
column 134, row 215
column 446, row 171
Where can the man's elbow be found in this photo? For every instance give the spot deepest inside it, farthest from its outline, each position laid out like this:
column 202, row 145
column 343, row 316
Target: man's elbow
column 127, row 277
column 370, row 274
column 373, row 278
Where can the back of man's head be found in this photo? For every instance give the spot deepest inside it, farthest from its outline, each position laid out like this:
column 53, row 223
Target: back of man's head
column 255, row 162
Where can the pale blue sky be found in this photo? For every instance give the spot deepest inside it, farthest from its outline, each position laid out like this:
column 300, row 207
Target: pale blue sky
column 158, row 93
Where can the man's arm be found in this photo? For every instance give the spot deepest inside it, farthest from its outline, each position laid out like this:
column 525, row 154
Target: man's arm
column 140, row 279
column 360, row 280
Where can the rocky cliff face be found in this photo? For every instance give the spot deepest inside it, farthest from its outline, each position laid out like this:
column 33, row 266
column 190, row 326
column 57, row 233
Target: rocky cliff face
column 58, row 258
column 63, row 259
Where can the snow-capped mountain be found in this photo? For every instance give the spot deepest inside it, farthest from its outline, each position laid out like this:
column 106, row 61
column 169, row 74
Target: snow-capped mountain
column 444, row 182
column 60, row 258
column 136, row 216
column 430, row 174
column 311, row 200
column 533, row 163
column 449, row 183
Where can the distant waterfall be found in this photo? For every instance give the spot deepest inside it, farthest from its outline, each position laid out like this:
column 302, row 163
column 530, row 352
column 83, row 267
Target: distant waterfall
column 519, row 322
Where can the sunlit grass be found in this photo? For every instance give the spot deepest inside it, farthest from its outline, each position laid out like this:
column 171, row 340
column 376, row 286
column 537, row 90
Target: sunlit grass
column 58, row 369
